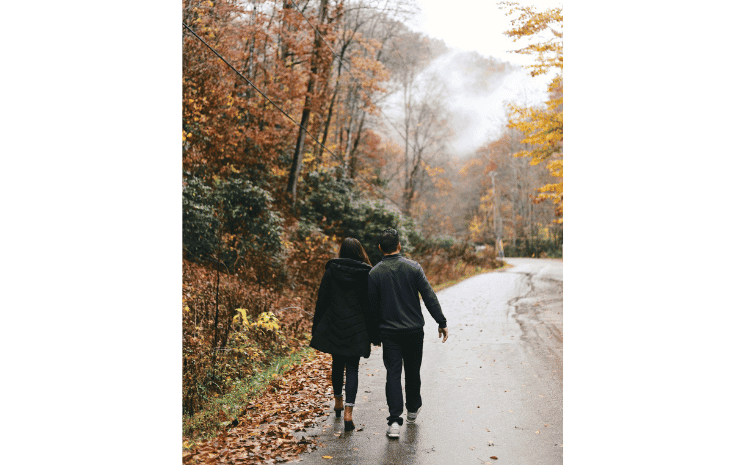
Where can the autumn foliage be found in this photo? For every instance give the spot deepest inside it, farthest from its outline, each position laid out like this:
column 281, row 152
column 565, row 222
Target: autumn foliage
column 528, row 224
column 543, row 127
column 266, row 203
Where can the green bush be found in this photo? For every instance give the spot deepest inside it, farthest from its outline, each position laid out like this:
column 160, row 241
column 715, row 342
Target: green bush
column 535, row 247
column 337, row 207
column 229, row 220
column 246, row 211
column 326, row 200
column 199, row 223
column 367, row 221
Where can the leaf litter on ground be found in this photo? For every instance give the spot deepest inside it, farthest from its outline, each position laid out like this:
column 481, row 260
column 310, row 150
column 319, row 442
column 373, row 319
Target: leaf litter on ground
column 270, row 424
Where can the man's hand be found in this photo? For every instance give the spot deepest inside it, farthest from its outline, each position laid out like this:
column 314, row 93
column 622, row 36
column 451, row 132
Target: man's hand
column 443, row 333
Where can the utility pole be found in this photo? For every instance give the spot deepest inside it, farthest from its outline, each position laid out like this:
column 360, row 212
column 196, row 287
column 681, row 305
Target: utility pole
column 498, row 252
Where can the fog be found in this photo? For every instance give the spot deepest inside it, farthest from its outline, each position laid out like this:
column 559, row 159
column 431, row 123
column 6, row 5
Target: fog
column 474, row 91
column 477, row 90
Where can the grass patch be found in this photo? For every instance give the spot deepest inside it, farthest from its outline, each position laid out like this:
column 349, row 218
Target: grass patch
column 221, row 411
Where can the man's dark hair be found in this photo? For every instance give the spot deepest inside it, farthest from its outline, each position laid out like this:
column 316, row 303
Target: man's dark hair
column 388, row 240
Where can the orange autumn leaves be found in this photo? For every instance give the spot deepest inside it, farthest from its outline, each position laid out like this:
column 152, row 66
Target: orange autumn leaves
column 271, row 426
column 227, row 124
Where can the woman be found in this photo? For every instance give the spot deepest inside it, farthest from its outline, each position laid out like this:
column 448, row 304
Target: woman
column 340, row 324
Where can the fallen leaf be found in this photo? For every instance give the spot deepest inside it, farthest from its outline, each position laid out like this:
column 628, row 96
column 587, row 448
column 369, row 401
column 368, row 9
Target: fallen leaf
column 493, row 457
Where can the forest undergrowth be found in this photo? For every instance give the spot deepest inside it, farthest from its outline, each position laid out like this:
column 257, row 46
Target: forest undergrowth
column 261, row 332
column 260, row 392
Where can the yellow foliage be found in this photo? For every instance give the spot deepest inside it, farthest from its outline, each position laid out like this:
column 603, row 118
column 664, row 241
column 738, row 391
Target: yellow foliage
column 530, row 24
column 267, row 321
column 279, row 172
column 470, row 164
column 432, row 171
column 543, row 128
column 242, row 315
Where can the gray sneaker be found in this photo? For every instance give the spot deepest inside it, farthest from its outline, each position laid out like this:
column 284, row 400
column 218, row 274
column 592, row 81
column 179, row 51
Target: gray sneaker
column 411, row 416
column 394, row 430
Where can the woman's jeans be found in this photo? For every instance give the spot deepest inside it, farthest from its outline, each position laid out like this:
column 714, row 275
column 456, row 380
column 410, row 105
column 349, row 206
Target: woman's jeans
column 338, row 363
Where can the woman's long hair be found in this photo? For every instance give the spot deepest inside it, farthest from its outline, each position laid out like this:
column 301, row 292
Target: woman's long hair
column 351, row 248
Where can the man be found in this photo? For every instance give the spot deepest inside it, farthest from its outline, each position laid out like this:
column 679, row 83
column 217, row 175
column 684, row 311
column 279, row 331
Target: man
column 394, row 286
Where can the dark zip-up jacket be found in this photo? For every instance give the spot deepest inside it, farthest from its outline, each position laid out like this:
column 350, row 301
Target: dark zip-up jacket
column 394, row 286
column 341, row 320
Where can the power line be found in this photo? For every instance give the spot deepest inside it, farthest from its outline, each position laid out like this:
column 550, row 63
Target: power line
column 341, row 160
column 248, row 81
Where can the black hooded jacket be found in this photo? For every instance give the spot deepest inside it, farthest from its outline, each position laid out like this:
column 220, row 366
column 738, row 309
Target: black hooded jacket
column 342, row 319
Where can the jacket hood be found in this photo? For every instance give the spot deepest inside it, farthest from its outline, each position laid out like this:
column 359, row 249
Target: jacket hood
column 348, row 270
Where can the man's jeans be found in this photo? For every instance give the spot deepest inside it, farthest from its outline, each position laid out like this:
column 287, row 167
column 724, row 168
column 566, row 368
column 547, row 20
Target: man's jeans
column 338, row 363
column 406, row 348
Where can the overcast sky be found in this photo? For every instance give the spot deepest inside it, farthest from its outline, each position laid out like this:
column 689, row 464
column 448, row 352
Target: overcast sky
column 477, row 25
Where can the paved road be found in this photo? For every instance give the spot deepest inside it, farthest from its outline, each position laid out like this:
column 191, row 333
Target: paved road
column 493, row 389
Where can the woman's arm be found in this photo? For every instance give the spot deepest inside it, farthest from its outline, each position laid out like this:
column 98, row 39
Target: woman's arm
column 322, row 302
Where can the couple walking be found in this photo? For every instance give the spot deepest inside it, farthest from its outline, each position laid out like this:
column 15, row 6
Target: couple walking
column 359, row 305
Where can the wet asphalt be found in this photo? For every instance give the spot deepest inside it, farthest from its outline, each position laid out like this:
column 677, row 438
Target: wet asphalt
column 494, row 389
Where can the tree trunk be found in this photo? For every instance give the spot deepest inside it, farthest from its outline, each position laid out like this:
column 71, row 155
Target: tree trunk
column 217, row 311
column 410, row 186
column 297, row 157
column 353, row 152
column 286, row 6
column 327, row 125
